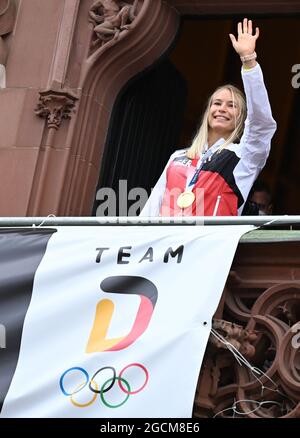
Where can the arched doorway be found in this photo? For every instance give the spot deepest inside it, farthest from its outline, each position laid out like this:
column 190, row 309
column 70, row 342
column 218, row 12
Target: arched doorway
column 116, row 63
column 145, row 127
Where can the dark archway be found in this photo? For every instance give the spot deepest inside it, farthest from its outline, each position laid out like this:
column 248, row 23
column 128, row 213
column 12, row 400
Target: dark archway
column 144, row 130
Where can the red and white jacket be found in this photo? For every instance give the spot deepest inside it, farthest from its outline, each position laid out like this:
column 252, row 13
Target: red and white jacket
column 226, row 179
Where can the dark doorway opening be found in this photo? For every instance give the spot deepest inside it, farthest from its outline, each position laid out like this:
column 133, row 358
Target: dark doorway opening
column 144, row 129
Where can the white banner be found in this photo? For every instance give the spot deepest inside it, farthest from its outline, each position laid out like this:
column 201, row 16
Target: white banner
column 118, row 321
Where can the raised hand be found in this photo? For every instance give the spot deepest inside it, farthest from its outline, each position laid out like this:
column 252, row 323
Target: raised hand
column 245, row 43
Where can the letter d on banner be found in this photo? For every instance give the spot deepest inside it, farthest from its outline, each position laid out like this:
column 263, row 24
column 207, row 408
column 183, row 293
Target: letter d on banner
column 129, row 285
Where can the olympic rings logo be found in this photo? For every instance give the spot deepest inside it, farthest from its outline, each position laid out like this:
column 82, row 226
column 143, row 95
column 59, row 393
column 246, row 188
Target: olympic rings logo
column 93, row 386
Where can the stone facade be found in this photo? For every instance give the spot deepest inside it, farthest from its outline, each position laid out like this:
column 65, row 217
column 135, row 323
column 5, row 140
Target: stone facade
column 62, row 80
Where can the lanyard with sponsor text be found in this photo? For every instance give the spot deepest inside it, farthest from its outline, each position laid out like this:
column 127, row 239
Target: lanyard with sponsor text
column 206, row 156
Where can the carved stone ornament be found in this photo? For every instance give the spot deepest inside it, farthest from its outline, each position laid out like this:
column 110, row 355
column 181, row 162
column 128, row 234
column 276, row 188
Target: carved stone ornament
column 267, row 332
column 110, row 18
column 55, row 106
column 236, row 335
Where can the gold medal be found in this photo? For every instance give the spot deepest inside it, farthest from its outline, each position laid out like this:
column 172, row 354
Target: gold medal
column 185, row 199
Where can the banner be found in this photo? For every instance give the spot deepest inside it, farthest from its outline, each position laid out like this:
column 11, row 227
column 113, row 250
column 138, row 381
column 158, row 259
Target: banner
column 108, row 322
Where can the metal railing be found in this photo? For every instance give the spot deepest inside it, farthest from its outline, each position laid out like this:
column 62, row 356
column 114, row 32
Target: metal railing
column 259, row 221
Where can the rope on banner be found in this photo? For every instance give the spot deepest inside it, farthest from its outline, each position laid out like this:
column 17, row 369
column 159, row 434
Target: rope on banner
column 254, row 370
column 269, row 223
column 252, row 411
column 242, row 360
column 43, row 221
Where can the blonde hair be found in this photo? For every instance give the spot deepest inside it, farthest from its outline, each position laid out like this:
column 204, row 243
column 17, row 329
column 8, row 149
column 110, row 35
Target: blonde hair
column 201, row 138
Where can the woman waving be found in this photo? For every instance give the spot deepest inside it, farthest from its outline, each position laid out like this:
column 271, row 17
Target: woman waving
column 215, row 174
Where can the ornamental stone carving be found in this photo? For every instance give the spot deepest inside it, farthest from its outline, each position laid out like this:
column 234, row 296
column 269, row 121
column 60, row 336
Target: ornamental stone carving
column 236, row 335
column 54, row 106
column 110, row 18
column 264, row 315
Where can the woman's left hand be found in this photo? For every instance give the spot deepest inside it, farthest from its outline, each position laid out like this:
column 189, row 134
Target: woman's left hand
column 246, row 42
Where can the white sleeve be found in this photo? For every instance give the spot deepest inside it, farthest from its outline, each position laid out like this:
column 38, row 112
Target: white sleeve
column 153, row 205
column 259, row 125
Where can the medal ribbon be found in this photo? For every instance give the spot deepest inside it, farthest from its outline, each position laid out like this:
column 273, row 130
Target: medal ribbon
column 206, row 156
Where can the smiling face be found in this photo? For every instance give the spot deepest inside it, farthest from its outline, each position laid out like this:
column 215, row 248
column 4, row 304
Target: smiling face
column 223, row 113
